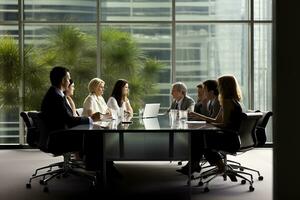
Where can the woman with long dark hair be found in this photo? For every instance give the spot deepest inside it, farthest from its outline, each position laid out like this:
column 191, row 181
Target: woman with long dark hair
column 118, row 101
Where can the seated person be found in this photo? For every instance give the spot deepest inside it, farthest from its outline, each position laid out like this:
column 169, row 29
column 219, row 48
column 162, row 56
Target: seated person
column 229, row 117
column 210, row 109
column 118, row 101
column 55, row 109
column 181, row 101
column 201, row 103
column 58, row 115
column 69, row 92
column 211, row 93
column 94, row 102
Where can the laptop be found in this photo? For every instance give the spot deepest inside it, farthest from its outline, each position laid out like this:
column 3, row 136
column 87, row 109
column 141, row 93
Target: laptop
column 151, row 110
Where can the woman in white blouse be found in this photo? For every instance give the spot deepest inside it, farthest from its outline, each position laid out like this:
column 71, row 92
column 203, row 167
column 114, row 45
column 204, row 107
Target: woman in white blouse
column 94, row 102
column 118, row 101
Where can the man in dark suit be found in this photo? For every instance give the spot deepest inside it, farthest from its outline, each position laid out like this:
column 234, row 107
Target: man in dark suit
column 181, row 100
column 201, row 104
column 55, row 110
column 57, row 116
column 211, row 92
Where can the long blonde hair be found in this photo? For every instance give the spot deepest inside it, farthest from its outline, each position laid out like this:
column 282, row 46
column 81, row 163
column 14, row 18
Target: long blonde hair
column 229, row 88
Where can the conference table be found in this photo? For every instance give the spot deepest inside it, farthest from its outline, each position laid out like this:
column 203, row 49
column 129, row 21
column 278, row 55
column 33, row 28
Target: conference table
column 137, row 139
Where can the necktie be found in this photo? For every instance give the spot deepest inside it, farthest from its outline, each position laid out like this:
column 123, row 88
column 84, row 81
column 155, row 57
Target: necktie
column 176, row 106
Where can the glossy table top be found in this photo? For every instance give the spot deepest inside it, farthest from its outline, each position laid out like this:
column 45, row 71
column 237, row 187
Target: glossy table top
column 162, row 123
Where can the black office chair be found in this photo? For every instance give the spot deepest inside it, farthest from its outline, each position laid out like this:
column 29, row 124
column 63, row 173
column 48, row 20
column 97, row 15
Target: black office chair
column 246, row 134
column 260, row 132
column 39, row 137
column 260, row 139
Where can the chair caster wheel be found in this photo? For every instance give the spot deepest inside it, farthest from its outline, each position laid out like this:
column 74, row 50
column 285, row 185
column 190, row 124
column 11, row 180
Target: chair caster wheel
column 251, row 188
column 243, row 182
column 45, row 189
column 224, row 177
column 200, row 183
column 42, row 182
column 206, row 190
column 260, row 178
column 28, row 185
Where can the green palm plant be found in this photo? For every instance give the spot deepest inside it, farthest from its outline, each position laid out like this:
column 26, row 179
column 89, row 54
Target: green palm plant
column 11, row 74
column 123, row 58
column 10, row 71
column 68, row 46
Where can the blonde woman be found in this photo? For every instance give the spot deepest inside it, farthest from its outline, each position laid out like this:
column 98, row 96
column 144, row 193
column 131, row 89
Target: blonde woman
column 94, row 102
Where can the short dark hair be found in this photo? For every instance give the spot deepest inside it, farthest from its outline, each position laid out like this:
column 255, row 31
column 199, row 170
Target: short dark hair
column 57, row 74
column 212, row 85
column 200, row 85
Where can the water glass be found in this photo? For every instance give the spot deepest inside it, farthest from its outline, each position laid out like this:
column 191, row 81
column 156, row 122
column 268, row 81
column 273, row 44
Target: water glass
column 183, row 115
column 141, row 112
column 173, row 114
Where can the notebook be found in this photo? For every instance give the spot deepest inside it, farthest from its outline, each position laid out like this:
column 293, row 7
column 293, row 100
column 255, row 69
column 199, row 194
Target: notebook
column 151, row 110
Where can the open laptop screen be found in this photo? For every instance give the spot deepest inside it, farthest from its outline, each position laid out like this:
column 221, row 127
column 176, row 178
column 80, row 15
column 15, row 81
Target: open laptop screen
column 151, row 110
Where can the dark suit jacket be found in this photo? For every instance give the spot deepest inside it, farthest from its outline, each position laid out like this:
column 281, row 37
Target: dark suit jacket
column 201, row 108
column 213, row 108
column 57, row 114
column 185, row 104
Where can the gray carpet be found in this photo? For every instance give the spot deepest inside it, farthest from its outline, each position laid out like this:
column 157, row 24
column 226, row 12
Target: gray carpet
column 141, row 180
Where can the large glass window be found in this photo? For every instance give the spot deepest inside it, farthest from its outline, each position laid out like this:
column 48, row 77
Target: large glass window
column 8, row 10
column 157, row 41
column 263, row 9
column 58, row 10
column 66, row 45
column 206, row 51
column 136, row 10
column 147, row 69
column 10, row 74
column 212, row 10
column 263, row 70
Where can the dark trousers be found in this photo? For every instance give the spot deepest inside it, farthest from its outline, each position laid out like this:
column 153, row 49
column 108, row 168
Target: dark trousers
column 214, row 142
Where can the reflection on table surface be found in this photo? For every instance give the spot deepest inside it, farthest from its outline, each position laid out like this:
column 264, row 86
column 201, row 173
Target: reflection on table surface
column 160, row 123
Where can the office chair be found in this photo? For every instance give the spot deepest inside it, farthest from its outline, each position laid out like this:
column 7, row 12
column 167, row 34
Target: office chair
column 260, row 139
column 39, row 137
column 260, row 132
column 247, row 142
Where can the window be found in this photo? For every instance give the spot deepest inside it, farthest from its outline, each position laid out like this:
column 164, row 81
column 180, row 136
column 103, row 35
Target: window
column 203, row 40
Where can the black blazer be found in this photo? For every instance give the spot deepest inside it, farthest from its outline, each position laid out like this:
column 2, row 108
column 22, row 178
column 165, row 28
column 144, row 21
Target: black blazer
column 56, row 112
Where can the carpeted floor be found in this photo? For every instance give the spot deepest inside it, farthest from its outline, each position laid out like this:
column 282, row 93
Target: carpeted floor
column 141, row 180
